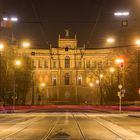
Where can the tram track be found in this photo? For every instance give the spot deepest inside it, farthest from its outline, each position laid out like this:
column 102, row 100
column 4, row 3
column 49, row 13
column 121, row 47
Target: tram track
column 83, row 136
column 121, row 137
column 29, row 123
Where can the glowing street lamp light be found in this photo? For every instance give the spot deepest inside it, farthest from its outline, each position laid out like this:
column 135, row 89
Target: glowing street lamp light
column 97, row 81
column 5, row 19
column 13, row 19
column 26, row 44
column 43, row 84
column 1, row 46
column 17, row 62
column 91, row 84
column 138, row 43
column 112, row 70
column 120, row 14
column 101, row 75
column 110, row 40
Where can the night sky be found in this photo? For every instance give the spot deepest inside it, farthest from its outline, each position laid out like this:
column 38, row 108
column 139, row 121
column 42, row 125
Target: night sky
column 92, row 20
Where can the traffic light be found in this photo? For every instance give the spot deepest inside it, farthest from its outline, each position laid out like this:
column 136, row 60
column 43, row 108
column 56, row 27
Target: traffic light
column 124, row 23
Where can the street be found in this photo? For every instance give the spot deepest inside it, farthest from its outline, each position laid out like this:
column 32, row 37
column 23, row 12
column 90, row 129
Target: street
column 76, row 125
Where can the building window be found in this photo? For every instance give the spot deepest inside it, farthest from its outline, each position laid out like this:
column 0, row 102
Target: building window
column 79, row 64
column 39, row 64
column 33, row 64
column 54, row 64
column 100, row 66
column 45, row 64
column 54, row 81
column 93, row 64
column 79, row 80
column 67, row 62
column 67, row 79
column 88, row 64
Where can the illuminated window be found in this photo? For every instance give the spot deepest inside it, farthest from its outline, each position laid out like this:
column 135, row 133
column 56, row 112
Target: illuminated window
column 93, row 64
column 79, row 64
column 100, row 66
column 54, row 81
column 79, row 80
column 45, row 64
column 67, row 79
column 39, row 64
column 33, row 64
column 54, row 64
column 67, row 62
column 88, row 64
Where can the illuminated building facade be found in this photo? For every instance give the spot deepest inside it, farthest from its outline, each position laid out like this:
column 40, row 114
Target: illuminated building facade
column 66, row 73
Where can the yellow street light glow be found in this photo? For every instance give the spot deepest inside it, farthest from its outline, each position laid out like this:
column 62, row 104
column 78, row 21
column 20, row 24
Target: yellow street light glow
column 79, row 77
column 26, row 44
column 110, row 40
column 91, row 84
column 1, row 46
column 137, row 42
column 18, row 62
column 101, row 75
column 118, row 61
column 97, row 81
column 43, row 84
column 112, row 69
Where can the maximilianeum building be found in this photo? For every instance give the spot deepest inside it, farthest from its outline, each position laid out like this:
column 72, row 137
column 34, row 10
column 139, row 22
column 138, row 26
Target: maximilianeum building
column 66, row 74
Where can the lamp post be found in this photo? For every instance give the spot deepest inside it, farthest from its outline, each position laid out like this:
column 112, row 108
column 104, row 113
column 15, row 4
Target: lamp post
column 101, row 88
column 43, row 84
column 120, row 64
column 17, row 64
column 32, row 78
column 1, row 49
column 112, row 70
column 138, row 62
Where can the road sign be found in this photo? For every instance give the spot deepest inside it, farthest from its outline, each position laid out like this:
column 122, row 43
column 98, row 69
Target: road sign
column 120, row 86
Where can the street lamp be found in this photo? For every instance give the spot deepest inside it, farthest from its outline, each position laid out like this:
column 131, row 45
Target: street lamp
column 101, row 76
column 13, row 19
column 42, row 84
column 26, row 44
column 1, row 46
column 91, row 84
column 120, row 64
column 1, row 49
column 138, row 60
column 110, row 40
column 121, row 14
column 101, row 87
column 97, row 81
column 112, row 70
column 17, row 63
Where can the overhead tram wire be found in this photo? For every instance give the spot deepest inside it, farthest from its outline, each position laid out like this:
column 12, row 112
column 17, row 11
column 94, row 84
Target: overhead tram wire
column 97, row 20
column 40, row 23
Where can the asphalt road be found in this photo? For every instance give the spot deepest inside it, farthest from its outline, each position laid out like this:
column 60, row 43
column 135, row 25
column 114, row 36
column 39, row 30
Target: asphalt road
column 69, row 126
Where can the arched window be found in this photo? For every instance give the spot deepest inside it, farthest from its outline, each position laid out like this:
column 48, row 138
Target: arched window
column 67, row 62
column 67, row 79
